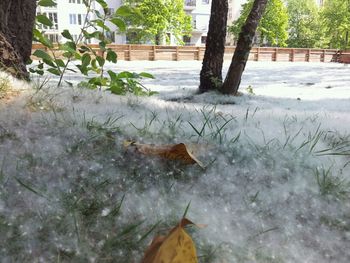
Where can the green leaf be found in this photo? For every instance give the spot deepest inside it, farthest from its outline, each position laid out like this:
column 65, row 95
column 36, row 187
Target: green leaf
column 83, row 49
column 48, row 3
column 102, row 45
column 102, row 3
column 98, row 14
column 43, row 19
column 69, row 47
column 66, row 34
column 124, row 11
column 42, row 54
column 54, row 71
column 77, row 56
column 67, row 54
column 101, row 24
column 83, row 70
column 101, row 61
column 85, row 60
column 39, row 37
column 49, row 63
column 127, row 75
column 119, row 23
column 117, row 89
column 37, row 71
column 60, row 63
column 94, row 64
column 111, row 56
column 46, row 42
column 146, row 75
column 112, row 75
column 98, row 81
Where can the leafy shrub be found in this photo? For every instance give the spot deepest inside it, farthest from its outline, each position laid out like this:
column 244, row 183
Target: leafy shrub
column 88, row 59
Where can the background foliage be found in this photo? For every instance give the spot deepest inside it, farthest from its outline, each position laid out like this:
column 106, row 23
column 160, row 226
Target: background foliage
column 273, row 25
column 336, row 22
column 301, row 24
column 305, row 27
column 158, row 19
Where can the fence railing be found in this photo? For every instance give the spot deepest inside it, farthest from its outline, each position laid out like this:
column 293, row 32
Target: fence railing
column 151, row 52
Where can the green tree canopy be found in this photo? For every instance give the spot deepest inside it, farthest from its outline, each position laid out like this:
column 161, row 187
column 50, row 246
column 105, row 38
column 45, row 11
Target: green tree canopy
column 305, row 27
column 160, row 17
column 273, row 25
column 336, row 19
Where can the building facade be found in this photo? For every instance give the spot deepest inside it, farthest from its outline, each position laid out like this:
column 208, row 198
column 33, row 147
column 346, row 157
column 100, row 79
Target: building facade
column 199, row 10
column 71, row 14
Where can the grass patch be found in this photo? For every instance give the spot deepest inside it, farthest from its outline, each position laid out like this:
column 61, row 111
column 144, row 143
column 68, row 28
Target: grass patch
column 70, row 192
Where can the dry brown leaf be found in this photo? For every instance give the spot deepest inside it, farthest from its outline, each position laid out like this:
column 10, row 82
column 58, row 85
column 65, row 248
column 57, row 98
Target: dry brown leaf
column 171, row 152
column 176, row 247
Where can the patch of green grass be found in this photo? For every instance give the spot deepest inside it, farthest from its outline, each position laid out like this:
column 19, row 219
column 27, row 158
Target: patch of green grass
column 330, row 185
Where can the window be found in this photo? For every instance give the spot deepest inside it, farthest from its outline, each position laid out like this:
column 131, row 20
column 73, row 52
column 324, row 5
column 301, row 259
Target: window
column 187, row 40
column 72, row 19
column 205, row 2
column 131, row 38
column 52, row 16
column 53, row 37
column 203, row 39
column 75, row 1
column 110, row 36
column 79, row 19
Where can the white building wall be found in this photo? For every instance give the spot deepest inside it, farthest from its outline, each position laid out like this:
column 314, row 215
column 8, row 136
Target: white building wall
column 200, row 12
column 71, row 16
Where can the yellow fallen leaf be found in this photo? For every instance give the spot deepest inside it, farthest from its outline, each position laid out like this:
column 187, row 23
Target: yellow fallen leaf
column 176, row 247
column 171, row 152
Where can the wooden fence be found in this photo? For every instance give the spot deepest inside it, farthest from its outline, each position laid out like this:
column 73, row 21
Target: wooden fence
column 150, row 52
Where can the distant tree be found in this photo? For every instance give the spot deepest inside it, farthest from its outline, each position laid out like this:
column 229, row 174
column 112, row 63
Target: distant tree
column 305, row 27
column 336, row 19
column 211, row 73
column 272, row 27
column 16, row 26
column 160, row 17
column 244, row 45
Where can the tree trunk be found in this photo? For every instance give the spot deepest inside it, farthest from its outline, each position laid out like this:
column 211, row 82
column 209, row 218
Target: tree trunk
column 16, row 27
column 244, row 45
column 211, row 73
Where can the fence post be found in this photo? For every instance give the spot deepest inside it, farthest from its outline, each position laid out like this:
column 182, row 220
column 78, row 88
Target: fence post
column 177, row 56
column 257, row 54
column 308, row 55
column 323, row 56
column 129, row 52
column 276, row 54
column 198, row 53
column 292, row 55
column 154, row 52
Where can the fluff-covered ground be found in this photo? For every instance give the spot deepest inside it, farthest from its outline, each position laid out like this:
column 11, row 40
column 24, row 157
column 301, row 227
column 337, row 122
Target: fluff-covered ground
column 275, row 187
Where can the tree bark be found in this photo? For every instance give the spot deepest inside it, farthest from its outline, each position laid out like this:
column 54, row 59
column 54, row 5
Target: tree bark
column 16, row 26
column 211, row 73
column 244, row 45
column 10, row 61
